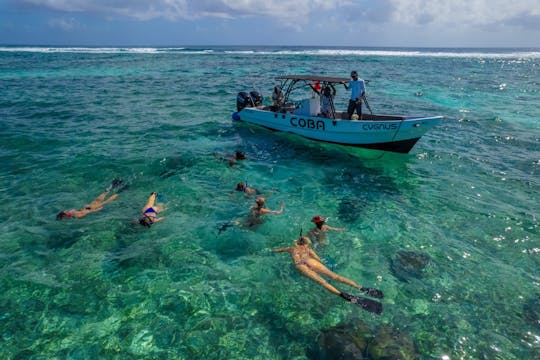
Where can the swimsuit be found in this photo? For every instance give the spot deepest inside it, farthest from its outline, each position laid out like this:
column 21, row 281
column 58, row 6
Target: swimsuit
column 150, row 215
column 301, row 262
column 304, row 258
column 150, row 210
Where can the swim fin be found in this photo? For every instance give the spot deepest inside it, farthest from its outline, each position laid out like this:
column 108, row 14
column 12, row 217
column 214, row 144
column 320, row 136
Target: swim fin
column 225, row 226
column 366, row 304
column 376, row 293
column 115, row 184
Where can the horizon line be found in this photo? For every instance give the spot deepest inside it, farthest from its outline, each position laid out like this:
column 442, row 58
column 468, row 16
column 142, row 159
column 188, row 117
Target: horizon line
column 268, row 45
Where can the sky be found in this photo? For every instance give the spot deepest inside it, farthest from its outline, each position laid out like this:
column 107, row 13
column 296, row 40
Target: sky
column 384, row 23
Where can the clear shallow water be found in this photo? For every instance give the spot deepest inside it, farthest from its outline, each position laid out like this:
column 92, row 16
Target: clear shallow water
column 467, row 195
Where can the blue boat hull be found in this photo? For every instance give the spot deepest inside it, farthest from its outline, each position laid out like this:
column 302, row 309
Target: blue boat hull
column 389, row 133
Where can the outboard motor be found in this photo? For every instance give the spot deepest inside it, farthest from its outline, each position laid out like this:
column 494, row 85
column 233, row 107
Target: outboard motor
column 256, row 97
column 243, row 100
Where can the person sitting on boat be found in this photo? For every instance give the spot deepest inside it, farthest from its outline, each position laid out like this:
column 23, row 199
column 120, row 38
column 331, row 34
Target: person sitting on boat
column 277, row 98
column 327, row 101
column 358, row 91
column 95, row 205
column 308, row 263
column 258, row 211
column 150, row 211
column 318, row 233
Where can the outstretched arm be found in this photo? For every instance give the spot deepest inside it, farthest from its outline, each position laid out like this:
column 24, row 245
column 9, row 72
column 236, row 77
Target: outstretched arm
column 280, row 210
column 334, row 228
column 277, row 212
column 283, row 249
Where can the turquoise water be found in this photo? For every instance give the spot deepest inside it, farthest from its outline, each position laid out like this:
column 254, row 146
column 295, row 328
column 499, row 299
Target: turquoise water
column 104, row 287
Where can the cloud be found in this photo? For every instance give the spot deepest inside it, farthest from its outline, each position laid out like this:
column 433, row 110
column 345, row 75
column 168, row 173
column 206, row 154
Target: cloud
column 358, row 12
column 64, row 24
column 463, row 12
column 457, row 13
column 526, row 21
column 186, row 9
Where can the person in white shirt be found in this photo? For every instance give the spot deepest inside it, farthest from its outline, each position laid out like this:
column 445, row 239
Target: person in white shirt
column 358, row 91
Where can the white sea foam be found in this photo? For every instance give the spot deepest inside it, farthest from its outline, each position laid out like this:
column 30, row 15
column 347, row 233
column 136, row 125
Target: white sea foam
column 93, row 50
column 413, row 53
column 447, row 53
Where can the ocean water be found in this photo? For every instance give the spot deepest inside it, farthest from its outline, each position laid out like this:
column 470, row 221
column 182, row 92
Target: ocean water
column 467, row 197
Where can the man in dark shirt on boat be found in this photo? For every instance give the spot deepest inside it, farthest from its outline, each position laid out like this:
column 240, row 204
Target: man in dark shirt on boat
column 358, row 91
column 327, row 101
column 277, row 98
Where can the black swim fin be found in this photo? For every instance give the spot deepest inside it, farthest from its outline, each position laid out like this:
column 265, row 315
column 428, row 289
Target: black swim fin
column 366, row 304
column 225, row 226
column 376, row 293
column 115, row 184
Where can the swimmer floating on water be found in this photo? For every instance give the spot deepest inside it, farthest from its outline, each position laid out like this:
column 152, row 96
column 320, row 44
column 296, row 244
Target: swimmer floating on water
column 95, row 205
column 248, row 190
column 232, row 159
column 318, row 233
column 308, row 263
column 254, row 218
column 150, row 211
column 258, row 211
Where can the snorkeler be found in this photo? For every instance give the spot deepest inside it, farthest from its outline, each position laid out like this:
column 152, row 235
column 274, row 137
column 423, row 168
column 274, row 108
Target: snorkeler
column 232, row 159
column 150, row 211
column 254, row 218
column 95, row 205
column 308, row 263
column 318, row 233
column 256, row 212
column 249, row 191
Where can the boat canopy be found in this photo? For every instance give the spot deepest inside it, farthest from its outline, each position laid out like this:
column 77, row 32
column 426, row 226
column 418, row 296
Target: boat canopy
column 327, row 79
column 290, row 83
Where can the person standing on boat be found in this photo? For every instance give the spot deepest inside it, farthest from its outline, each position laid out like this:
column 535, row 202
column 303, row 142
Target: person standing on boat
column 277, row 98
column 327, row 101
column 358, row 91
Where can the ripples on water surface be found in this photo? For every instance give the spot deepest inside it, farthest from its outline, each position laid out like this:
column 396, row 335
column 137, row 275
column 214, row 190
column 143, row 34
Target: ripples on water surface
column 102, row 286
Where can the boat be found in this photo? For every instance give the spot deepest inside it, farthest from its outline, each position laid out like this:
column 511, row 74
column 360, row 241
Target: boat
column 394, row 133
